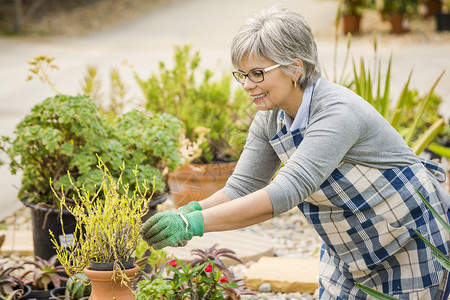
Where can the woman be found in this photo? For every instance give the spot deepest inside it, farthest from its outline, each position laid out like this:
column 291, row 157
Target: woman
column 345, row 167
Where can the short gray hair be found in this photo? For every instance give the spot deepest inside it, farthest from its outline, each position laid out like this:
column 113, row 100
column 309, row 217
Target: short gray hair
column 281, row 35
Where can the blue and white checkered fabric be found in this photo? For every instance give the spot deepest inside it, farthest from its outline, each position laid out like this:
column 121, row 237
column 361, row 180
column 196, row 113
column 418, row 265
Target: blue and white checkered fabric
column 366, row 218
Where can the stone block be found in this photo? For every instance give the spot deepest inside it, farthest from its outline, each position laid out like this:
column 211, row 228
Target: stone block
column 248, row 247
column 17, row 241
column 284, row 274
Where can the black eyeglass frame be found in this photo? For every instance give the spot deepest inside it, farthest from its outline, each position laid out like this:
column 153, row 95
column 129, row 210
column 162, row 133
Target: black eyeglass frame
column 263, row 71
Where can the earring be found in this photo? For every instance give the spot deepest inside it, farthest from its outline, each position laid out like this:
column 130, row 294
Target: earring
column 295, row 84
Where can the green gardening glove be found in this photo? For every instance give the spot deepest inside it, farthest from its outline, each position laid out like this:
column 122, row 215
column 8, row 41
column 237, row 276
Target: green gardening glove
column 172, row 228
column 186, row 209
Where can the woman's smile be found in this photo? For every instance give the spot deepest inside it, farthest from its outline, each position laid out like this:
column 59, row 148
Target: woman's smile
column 258, row 97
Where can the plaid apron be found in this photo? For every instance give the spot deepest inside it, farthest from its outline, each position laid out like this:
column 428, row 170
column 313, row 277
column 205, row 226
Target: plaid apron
column 366, row 216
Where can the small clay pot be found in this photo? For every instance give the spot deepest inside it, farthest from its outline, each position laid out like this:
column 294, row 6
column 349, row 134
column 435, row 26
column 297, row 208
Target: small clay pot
column 106, row 285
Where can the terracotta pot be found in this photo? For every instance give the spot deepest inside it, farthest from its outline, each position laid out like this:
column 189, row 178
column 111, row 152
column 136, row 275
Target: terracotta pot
column 104, row 287
column 195, row 182
column 433, row 7
column 350, row 24
column 397, row 23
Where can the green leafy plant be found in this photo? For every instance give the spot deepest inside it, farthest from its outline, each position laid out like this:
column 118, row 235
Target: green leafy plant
column 61, row 133
column 356, row 7
column 45, row 275
column 203, row 102
column 106, row 230
column 214, row 255
column 205, row 277
column 77, row 287
column 202, row 281
column 149, row 141
column 406, row 7
column 64, row 133
column 146, row 257
column 11, row 287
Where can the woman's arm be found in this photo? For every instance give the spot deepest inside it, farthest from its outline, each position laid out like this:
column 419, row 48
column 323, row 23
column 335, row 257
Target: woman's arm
column 242, row 212
column 214, row 200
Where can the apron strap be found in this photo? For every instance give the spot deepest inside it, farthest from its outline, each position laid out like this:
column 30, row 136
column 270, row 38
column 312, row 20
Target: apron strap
column 435, row 168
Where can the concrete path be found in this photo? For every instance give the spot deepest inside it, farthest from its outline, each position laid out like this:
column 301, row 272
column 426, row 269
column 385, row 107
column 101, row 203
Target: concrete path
column 206, row 24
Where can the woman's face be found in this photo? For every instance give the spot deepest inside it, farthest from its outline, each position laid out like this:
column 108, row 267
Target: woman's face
column 276, row 91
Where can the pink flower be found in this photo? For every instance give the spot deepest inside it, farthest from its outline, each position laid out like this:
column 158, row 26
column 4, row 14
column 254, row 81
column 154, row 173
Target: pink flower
column 208, row 268
column 173, row 263
column 223, row 279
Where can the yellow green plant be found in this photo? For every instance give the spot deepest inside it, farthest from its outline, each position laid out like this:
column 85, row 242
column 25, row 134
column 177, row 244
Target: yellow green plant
column 106, row 230
column 40, row 68
column 365, row 82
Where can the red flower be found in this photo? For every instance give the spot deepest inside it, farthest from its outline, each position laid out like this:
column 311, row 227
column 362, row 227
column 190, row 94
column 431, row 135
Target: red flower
column 208, row 268
column 223, row 279
column 173, row 263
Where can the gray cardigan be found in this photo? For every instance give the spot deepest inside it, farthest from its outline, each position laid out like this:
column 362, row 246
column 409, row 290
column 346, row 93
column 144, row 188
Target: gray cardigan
column 343, row 127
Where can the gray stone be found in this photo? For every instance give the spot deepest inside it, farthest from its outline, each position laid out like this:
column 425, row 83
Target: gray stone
column 265, row 287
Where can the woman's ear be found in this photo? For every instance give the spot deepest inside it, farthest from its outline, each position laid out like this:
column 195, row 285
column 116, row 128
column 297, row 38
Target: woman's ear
column 298, row 70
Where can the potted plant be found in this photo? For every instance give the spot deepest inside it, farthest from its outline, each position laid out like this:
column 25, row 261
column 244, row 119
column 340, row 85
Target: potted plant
column 61, row 133
column 443, row 17
column 205, row 277
column 106, row 235
column 12, row 287
column 77, row 287
column 64, row 133
column 351, row 15
column 216, row 121
column 397, row 10
column 43, row 277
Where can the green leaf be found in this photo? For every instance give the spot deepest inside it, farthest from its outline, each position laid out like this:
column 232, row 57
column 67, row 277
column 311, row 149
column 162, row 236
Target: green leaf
column 433, row 211
column 440, row 149
column 374, row 293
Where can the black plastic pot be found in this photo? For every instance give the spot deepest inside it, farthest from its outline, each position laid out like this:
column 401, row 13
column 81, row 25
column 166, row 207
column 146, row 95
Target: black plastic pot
column 442, row 21
column 27, row 291
column 37, row 295
column 152, row 207
column 56, row 293
column 107, row 266
column 45, row 219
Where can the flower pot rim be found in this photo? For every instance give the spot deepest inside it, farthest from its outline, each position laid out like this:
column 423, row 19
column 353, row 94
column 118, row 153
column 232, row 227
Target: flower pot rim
column 108, row 266
column 93, row 274
column 39, row 206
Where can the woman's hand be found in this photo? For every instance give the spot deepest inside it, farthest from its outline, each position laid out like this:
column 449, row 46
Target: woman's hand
column 169, row 229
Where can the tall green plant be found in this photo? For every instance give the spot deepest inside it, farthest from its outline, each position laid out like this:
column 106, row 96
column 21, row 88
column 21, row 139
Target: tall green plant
column 417, row 133
column 198, row 100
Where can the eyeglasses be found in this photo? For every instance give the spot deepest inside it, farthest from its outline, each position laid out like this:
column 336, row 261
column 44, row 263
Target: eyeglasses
column 255, row 76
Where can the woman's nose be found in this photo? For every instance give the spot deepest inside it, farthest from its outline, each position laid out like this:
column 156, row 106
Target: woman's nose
column 247, row 84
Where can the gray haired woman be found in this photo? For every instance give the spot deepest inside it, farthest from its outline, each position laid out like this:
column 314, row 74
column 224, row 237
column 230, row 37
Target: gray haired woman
column 344, row 166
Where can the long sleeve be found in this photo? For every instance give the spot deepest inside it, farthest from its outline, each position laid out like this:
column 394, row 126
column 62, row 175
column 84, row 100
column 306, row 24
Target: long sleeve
column 258, row 161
